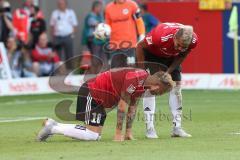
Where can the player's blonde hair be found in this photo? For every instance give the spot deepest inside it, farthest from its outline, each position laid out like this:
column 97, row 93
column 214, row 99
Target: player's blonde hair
column 185, row 34
column 164, row 81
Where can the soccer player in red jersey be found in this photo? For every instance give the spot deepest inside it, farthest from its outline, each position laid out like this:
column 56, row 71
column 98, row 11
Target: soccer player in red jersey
column 168, row 44
column 100, row 95
column 124, row 18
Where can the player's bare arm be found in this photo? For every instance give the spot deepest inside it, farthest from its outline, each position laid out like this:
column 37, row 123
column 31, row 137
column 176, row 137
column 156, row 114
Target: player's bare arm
column 121, row 114
column 120, row 118
column 140, row 54
column 177, row 61
column 132, row 109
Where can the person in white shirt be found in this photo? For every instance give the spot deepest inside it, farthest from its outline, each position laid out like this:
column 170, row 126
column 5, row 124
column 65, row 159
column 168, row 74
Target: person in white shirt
column 63, row 24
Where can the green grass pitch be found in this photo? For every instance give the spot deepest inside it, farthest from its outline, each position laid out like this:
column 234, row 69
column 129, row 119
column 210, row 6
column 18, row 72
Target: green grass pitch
column 212, row 117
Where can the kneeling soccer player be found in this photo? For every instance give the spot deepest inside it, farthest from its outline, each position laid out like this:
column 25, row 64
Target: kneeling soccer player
column 100, row 94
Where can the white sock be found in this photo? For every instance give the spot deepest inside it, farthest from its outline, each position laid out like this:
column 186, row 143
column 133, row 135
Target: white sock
column 149, row 109
column 175, row 104
column 75, row 131
column 61, row 127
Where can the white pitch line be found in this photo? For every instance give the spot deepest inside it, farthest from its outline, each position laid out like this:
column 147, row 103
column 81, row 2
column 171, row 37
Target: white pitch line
column 23, row 102
column 21, row 119
column 235, row 133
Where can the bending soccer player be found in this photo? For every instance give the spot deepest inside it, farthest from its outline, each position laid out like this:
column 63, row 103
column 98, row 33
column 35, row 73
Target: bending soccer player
column 168, row 44
column 124, row 18
column 100, row 94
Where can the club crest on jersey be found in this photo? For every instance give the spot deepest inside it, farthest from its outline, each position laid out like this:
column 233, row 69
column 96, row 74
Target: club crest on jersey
column 149, row 40
column 125, row 11
column 131, row 89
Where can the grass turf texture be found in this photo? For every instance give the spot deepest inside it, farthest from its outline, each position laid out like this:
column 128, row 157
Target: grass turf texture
column 210, row 116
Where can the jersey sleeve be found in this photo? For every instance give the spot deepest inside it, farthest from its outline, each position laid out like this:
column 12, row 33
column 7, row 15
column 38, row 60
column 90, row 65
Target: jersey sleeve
column 136, row 14
column 152, row 38
column 135, row 9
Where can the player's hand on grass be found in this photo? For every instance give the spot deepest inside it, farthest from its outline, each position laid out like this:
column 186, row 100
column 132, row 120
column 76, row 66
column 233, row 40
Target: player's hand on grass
column 129, row 137
column 118, row 138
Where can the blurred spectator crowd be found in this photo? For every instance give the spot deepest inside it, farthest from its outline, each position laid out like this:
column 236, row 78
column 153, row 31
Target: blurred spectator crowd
column 30, row 53
column 24, row 34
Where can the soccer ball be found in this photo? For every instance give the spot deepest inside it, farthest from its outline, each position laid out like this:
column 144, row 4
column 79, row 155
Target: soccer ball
column 102, row 31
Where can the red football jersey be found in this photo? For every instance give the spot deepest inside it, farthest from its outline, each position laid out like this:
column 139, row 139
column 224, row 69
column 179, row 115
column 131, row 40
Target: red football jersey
column 160, row 40
column 107, row 88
